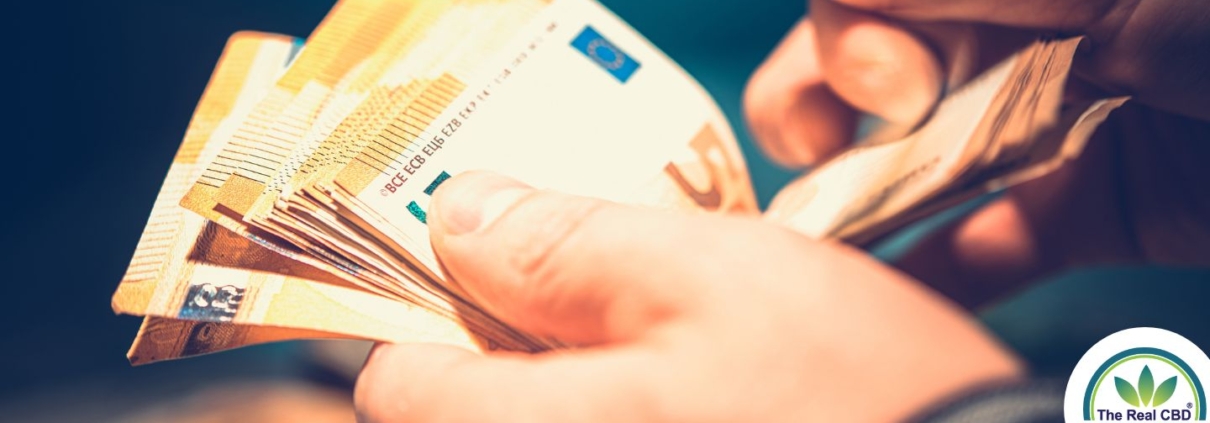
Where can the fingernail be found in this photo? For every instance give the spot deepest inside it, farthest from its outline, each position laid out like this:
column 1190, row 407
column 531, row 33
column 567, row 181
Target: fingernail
column 474, row 200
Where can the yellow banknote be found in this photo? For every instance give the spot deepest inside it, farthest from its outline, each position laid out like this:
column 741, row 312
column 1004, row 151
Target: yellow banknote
column 249, row 65
column 329, row 41
column 189, row 269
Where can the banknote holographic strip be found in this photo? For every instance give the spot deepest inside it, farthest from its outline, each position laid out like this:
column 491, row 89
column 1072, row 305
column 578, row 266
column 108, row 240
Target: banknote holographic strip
column 212, row 303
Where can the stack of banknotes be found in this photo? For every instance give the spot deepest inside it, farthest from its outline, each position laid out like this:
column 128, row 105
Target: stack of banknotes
column 295, row 207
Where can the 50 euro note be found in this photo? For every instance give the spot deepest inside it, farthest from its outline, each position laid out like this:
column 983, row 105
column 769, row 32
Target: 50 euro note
column 262, row 135
column 1006, row 126
column 328, row 98
column 576, row 101
column 357, row 152
column 248, row 65
column 206, row 280
column 558, row 105
column 193, row 278
column 302, row 85
column 446, row 24
column 457, row 39
column 435, row 40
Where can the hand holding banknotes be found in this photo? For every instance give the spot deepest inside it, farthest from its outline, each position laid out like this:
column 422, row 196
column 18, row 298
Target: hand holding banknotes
column 724, row 319
column 331, row 188
column 1138, row 194
column 682, row 318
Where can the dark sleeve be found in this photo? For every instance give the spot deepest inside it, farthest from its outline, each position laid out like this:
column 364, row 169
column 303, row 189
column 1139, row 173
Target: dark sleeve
column 1034, row 401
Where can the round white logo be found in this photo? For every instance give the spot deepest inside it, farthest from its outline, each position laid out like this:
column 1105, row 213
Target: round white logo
column 1140, row 374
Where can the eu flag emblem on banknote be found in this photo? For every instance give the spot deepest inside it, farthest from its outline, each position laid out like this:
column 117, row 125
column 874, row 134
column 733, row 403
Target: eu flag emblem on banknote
column 605, row 54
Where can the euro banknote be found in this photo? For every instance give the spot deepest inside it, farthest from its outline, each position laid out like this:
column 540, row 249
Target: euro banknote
column 297, row 204
column 1006, row 126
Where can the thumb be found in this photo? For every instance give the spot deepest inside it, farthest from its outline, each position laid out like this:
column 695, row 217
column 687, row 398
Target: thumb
column 581, row 270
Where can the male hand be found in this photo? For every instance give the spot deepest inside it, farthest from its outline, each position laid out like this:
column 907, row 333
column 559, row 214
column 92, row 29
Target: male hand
column 685, row 318
column 1139, row 193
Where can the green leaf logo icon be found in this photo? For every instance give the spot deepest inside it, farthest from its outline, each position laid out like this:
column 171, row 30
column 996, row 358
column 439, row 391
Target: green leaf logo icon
column 1126, row 391
column 1147, row 393
column 1164, row 392
column 1146, row 386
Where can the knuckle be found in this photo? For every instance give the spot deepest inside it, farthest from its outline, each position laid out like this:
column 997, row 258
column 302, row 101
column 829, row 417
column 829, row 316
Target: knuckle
column 767, row 103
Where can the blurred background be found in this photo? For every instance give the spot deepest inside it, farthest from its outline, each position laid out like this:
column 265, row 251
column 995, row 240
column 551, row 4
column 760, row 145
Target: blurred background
column 103, row 94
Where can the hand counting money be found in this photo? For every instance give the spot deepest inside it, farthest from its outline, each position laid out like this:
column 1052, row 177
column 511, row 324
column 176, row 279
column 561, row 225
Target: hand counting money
column 297, row 204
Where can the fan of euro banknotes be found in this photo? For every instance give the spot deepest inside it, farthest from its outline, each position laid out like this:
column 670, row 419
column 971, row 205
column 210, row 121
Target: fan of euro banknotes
column 295, row 207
